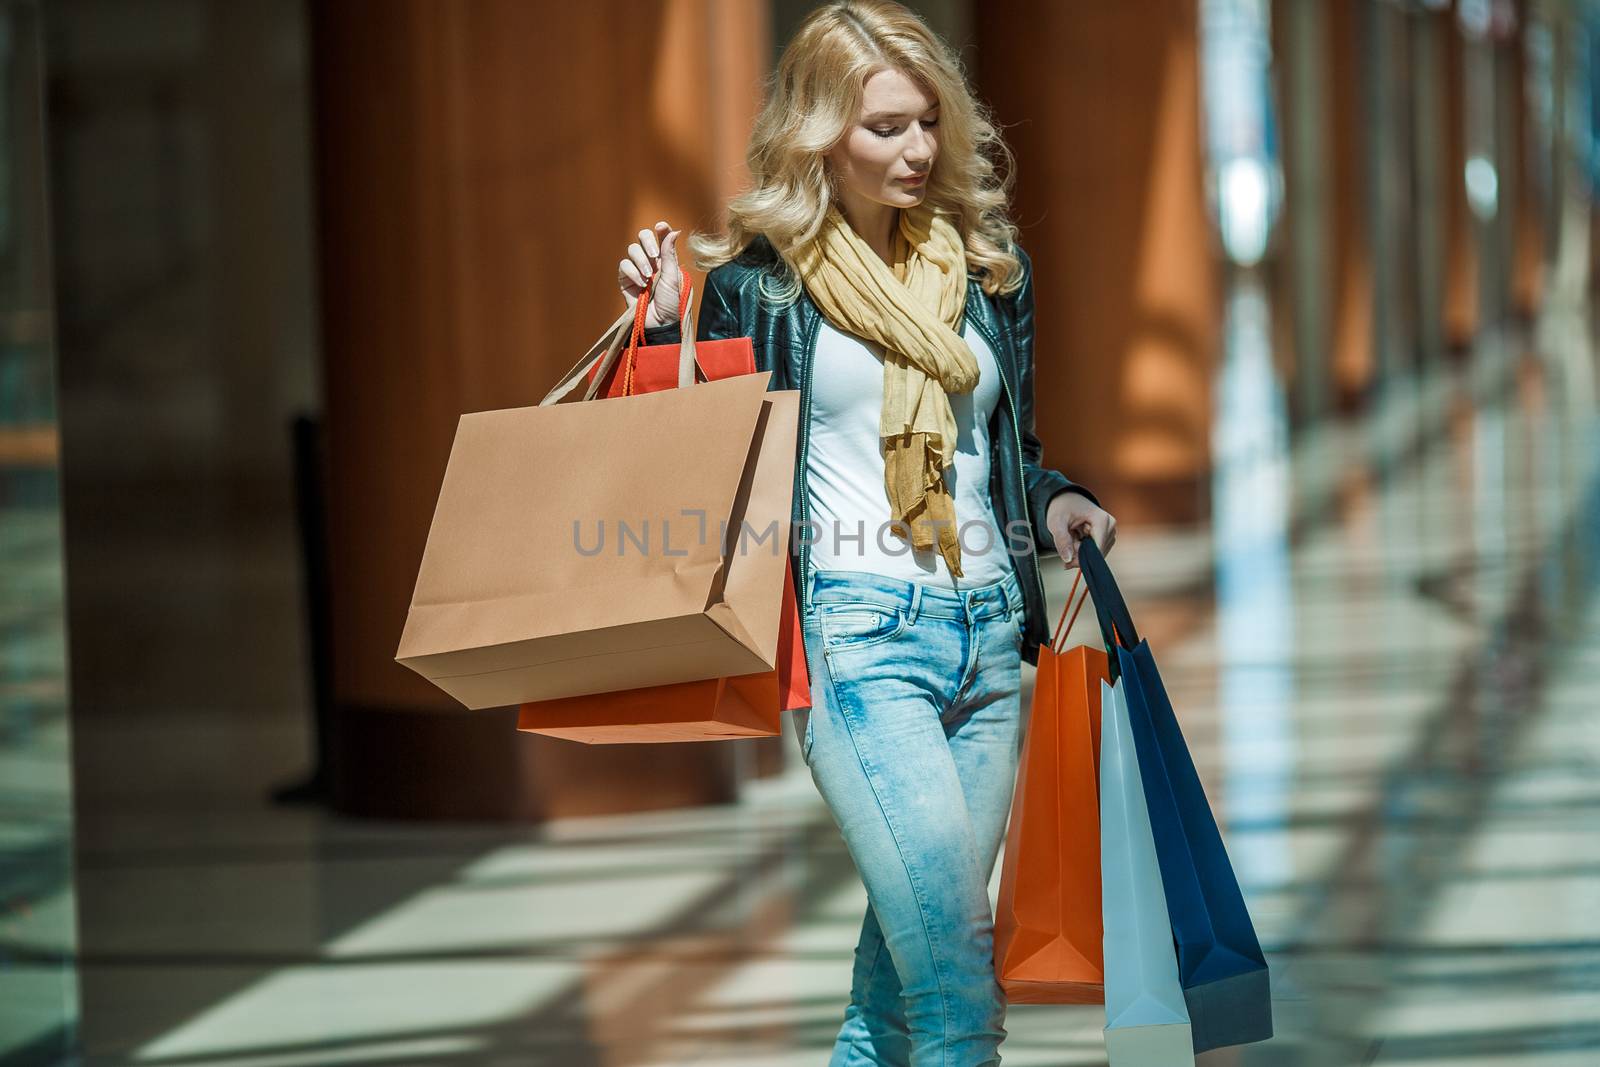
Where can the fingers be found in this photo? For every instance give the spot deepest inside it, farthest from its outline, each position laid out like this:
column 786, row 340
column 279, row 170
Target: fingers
column 630, row 280
column 1100, row 526
column 1069, row 551
column 650, row 244
column 655, row 249
column 669, row 250
column 643, row 262
column 645, row 253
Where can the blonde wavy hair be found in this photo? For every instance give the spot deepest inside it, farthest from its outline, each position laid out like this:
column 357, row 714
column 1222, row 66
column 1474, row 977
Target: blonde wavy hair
column 812, row 100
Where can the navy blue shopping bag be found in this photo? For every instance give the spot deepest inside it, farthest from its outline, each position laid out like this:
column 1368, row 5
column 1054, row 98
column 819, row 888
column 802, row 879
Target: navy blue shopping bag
column 1220, row 964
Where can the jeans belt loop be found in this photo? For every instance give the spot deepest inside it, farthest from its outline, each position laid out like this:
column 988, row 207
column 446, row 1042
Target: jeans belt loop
column 916, row 602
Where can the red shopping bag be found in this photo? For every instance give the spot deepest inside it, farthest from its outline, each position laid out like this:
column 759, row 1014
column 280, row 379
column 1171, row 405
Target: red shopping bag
column 651, row 368
column 715, row 708
column 1048, row 929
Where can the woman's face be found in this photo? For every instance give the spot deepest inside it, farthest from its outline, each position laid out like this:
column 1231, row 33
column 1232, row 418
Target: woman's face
column 887, row 153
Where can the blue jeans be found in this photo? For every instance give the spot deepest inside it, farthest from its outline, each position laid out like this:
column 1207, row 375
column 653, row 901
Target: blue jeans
column 912, row 740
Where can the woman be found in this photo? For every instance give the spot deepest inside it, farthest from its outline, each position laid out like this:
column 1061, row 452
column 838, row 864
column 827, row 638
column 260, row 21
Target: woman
column 874, row 266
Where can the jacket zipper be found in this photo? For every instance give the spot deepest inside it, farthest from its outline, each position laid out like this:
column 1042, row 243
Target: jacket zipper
column 807, row 362
column 1016, row 441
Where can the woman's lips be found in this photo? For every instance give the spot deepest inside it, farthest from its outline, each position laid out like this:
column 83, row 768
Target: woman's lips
column 915, row 179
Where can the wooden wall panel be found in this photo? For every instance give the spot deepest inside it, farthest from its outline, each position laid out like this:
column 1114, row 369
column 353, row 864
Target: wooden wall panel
column 1528, row 234
column 1105, row 127
column 1461, row 271
column 1354, row 364
column 482, row 165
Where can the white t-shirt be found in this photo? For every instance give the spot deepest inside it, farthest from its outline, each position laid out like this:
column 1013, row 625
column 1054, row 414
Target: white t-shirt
column 844, row 470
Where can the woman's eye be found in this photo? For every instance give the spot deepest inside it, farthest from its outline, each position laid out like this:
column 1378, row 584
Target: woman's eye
column 894, row 131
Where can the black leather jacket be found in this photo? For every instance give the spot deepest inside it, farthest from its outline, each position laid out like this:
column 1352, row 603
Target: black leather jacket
column 785, row 342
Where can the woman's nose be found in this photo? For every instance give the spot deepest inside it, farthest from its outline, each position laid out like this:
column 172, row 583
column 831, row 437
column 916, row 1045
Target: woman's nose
column 921, row 148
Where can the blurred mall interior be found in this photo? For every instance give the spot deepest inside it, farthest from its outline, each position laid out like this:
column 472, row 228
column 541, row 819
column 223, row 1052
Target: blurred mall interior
column 1315, row 290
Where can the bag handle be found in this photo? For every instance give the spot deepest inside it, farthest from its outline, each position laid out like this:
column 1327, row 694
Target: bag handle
column 1058, row 640
column 636, row 338
column 604, row 352
column 1109, row 606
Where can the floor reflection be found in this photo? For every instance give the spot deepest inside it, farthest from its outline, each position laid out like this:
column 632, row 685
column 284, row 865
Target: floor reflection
column 1254, row 595
column 38, row 985
column 38, row 946
column 1387, row 668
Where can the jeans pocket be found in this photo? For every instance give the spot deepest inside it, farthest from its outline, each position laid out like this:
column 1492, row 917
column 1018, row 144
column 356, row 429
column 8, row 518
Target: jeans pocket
column 857, row 625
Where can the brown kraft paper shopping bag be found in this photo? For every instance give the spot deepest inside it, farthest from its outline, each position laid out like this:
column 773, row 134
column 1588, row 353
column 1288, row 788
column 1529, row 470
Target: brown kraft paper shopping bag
column 610, row 544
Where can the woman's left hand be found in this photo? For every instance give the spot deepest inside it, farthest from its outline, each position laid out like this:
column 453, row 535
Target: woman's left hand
column 1071, row 516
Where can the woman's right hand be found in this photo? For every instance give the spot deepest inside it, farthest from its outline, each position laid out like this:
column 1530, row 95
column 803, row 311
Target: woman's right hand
column 654, row 253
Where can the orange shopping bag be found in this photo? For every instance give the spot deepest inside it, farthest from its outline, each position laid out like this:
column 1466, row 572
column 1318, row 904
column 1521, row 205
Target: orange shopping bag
column 710, row 709
column 1047, row 929
column 715, row 709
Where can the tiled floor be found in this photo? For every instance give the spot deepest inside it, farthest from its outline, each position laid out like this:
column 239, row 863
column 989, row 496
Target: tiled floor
column 1386, row 652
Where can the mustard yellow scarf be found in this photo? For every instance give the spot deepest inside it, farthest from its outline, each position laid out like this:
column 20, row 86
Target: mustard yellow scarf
column 913, row 309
